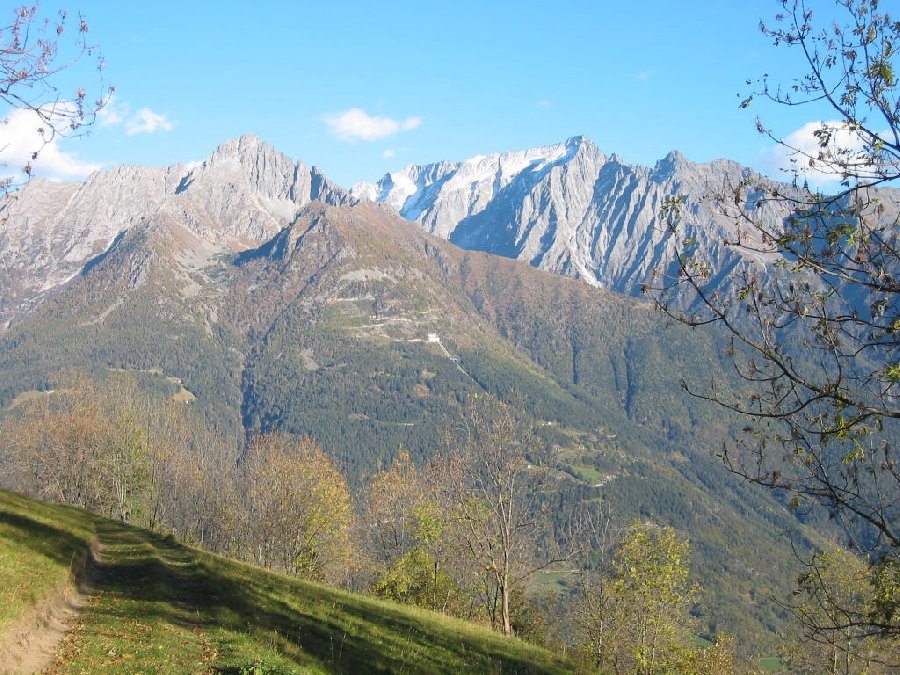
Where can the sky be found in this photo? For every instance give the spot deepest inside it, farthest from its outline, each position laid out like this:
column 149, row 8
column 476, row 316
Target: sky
column 362, row 88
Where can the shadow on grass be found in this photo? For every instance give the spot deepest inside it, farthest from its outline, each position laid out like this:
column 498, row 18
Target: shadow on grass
column 57, row 544
column 313, row 625
column 309, row 623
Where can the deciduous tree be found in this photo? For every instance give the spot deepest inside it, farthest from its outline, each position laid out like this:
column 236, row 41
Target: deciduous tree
column 297, row 507
column 634, row 617
column 86, row 445
column 836, row 602
column 406, row 536
column 498, row 475
column 388, row 526
column 815, row 327
column 34, row 53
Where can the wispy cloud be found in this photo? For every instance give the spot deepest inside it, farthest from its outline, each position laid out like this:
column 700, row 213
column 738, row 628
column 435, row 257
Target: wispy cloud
column 144, row 121
column 801, row 150
column 645, row 75
column 543, row 103
column 357, row 125
column 20, row 138
column 388, row 153
column 111, row 115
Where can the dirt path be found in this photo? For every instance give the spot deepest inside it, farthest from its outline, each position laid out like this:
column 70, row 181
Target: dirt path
column 28, row 646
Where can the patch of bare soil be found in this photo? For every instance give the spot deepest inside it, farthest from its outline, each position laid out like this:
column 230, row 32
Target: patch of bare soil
column 29, row 644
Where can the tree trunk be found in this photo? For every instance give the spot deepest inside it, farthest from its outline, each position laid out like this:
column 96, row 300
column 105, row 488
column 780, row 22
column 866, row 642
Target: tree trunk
column 504, row 596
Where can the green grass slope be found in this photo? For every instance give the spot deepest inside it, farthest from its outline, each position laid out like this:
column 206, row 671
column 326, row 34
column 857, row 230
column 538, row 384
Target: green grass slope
column 157, row 606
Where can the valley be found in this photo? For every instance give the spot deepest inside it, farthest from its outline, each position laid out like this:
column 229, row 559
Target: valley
column 345, row 322
column 601, row 375
column 264, row 302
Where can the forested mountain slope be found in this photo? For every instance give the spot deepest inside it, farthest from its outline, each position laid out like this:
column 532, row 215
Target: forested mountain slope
column 278, row 301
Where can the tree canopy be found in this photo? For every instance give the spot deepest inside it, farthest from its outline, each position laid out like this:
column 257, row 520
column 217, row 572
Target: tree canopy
column 815, row 327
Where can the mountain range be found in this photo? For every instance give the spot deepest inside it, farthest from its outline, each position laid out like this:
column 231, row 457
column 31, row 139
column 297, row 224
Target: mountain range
column 566, row 208
column 572, row 210
column 276, row 298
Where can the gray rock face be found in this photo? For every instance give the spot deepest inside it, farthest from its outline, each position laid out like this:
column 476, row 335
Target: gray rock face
column 567, row 208
column 246, row 191
column 48, row 231
column 242, row 194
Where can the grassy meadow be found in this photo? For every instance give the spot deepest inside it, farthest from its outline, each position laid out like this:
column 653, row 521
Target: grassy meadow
column 154, row 605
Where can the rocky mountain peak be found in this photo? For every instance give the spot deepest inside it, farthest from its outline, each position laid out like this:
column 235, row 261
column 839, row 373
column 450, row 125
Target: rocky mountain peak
column 583, row 144
column 250, row 152
column 241, row 195
column 247, row 144
column 249, row 163
column 667, row 167
column 566, row 208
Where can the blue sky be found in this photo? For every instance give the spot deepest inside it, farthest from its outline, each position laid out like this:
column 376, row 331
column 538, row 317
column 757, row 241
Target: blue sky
column 361, row 88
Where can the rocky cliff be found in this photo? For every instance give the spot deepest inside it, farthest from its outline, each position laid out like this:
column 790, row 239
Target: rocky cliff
column 241, row 195
column 569, row 209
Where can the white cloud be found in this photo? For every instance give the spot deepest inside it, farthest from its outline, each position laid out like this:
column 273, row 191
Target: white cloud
column 145, row 121
column 387, row 154
column 801, row 150
column 645, row 75
column 543, row 103
column 20, row 138
column 118, row 113
column 355, row 124
column 111, row 114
